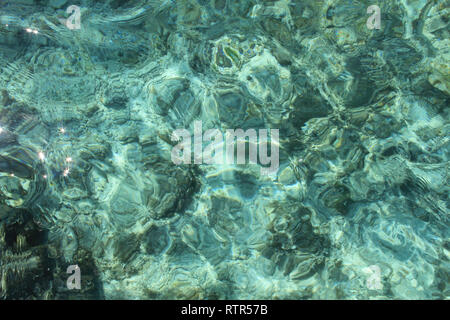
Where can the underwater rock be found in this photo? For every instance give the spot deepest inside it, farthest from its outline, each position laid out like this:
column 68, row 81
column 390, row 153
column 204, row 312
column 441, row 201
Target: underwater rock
column 170, row 193
column 294, row 247
column 21, row 180
column 440, row 73
column 115, row 96
column 24, row 266
column 156, row 240
column 125, row 205
column 232, row 107
column 125, row 246
column 307, row 106
column 164, row 94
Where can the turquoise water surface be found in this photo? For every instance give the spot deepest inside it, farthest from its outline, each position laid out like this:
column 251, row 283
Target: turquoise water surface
column 218, row 149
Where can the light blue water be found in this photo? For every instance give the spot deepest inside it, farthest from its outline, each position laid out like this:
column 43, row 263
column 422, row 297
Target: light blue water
column 353, row 105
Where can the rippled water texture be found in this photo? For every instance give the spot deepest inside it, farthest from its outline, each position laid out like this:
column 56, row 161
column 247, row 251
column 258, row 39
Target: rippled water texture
column 359, row 205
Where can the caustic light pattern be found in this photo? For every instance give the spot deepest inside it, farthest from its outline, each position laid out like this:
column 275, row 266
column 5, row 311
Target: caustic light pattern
column 335, row 114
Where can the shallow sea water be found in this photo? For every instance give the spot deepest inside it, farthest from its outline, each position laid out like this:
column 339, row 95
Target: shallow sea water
column 110, row 110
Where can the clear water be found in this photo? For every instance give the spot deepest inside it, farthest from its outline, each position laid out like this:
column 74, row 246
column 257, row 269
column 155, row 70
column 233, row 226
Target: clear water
column 118, row 173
